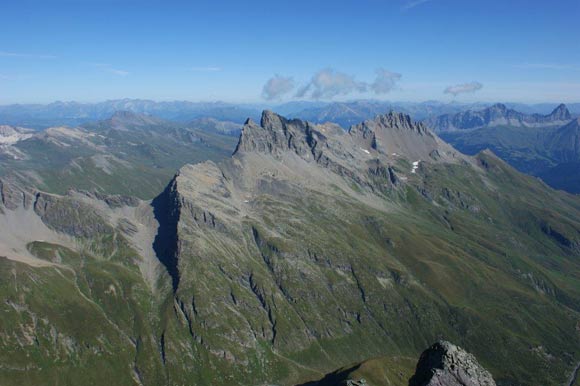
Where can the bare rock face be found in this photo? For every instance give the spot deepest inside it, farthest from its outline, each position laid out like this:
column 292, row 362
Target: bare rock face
column 277, row 134
column 445, row 364
column 12, row 197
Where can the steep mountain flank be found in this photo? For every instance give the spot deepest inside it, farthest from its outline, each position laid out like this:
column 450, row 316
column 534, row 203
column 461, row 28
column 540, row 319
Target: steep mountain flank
column 310, row 249
column 319, row 243
column 564, row 143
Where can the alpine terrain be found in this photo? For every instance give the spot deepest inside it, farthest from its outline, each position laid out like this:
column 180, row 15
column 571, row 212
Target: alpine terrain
column 309, row 252
column 547, row 146
column 128, row 153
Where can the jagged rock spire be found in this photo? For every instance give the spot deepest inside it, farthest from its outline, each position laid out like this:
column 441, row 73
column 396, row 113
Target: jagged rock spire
column 445, row 364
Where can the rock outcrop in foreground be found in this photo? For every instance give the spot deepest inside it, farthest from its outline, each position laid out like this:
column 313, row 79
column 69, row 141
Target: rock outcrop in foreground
column 445, row 364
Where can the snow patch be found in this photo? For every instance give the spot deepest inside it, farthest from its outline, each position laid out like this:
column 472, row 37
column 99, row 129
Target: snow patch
column 415, row 166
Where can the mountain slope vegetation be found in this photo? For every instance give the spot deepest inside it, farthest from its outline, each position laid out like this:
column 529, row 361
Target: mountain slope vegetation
column 308, row 250
column 126, row 154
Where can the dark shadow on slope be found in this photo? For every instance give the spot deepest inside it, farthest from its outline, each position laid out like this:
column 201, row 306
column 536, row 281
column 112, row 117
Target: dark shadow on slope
column 337, row 378
column 166, row 211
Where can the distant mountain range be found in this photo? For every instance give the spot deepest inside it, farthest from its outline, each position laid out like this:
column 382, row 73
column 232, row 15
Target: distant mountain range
column 343, row 113
column 74, row 113
column 547, row 146
column 498, row 115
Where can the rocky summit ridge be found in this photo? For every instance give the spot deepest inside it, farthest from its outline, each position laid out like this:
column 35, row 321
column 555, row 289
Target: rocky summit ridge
column 498, row 115
column 385, row 137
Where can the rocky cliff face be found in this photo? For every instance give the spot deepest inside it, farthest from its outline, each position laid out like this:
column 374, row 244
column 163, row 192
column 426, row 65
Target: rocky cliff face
column 498, row 115
column 445, row 364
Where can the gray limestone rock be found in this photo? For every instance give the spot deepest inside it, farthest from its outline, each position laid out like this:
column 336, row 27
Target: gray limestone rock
column 445, row 364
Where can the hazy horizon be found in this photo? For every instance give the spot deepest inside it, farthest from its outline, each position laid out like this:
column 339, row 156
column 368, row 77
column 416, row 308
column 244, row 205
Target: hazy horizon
column 266, row 103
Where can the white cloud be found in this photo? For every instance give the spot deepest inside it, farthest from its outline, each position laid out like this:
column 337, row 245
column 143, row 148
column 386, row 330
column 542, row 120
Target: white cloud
column 277, row 86
column 412, row 4
column 463, row 88
column 328, row 83
column 385, row 81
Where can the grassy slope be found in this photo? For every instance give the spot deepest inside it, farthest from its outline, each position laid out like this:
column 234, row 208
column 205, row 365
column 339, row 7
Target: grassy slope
column 474, row 265
column 89, row 318
column 137, row 164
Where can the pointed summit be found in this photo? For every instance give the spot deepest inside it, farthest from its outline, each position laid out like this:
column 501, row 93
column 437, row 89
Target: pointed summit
column 270, row 119
column 561, row 113
column 276, row 134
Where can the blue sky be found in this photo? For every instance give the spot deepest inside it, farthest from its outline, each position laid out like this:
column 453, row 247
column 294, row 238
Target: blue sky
column 93, row 50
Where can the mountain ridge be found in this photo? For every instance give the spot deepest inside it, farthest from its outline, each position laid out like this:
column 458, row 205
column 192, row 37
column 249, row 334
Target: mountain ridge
column 498, row 114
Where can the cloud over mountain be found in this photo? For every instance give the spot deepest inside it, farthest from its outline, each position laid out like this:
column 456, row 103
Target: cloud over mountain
column 277, row 86
column 385, row 81
column 329, row 83
column 463, row 88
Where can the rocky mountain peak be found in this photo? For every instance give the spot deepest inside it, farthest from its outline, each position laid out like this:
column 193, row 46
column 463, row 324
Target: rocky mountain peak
column 397, row 134
column 499, row 107
column 561, row 113
column 392, row 134
column 400, row 121
column 389, row 122
column 271, row 120
column 276, row 134
column 445, row 364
